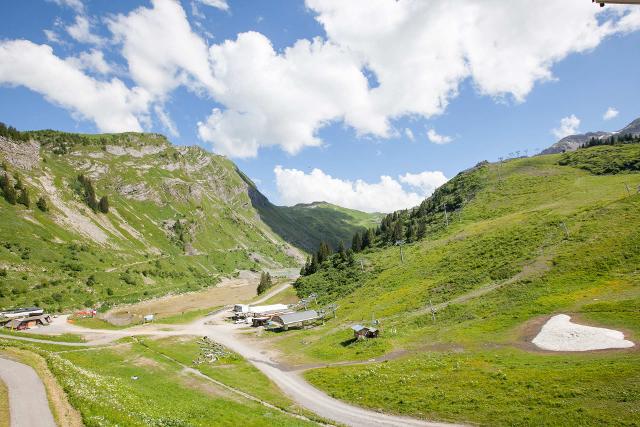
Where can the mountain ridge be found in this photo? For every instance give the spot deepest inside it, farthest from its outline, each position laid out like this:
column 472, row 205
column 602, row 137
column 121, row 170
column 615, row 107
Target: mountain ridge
column 178, row 218
column 573, row 142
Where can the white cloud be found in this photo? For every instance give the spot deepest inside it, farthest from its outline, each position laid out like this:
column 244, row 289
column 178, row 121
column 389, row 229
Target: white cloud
column 218, row 4
column 81, row 31
column 437, row 138
column 161, row 50
column 283, row 99
column 110, row 104
column 568, row 126
column 272, row 98
column 74, row 4
column 426, row 181
column 295, row 186
column 91, row 61
column 52, row 36
column 611, row 113
column 409, row 134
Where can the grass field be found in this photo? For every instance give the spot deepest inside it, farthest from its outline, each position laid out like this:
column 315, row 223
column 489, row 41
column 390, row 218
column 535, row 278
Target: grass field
column 135, row 385
column 539, row 238
column 56, row 338
column 4, row 405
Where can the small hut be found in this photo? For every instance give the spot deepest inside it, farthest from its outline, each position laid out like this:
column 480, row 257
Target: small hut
column 361, row 332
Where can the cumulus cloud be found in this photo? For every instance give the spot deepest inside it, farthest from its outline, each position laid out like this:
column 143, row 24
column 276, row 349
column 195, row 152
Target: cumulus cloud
column 266, row 97
column 161, row 50
column 611, row 113
column 426, row 181
column 568, row 126
column 80, row 31
column 110, row 104
column 218, row 4
column 436, row 138
column 295, row 186
column 91, row 61
column 283, row 99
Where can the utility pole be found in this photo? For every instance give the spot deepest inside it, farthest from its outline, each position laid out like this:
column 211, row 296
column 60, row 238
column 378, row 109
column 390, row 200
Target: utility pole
column 564, row 227
column 361, row 265
column 433, row 311
column 627, row 187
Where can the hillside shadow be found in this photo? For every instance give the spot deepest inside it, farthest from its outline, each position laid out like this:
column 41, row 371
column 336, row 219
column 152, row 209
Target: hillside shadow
column 303, row 226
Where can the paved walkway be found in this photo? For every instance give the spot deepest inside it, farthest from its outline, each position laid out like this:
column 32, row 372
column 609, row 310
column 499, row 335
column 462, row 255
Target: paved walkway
column 28, row 404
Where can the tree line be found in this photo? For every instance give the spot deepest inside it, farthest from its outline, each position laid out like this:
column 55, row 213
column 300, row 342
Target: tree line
column 407, row 225
column 626, row 138
column 88, row 192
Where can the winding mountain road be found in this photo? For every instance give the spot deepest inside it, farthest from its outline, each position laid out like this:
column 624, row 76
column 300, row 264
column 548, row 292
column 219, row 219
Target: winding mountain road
column 256, row 352
column 28, row 404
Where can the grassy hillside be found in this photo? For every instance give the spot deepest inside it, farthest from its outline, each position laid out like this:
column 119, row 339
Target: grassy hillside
column 178, row 218
column 540, row 236
column 306, row 225
column 148, row 383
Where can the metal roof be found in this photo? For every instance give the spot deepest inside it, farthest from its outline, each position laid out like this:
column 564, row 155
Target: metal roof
column 299, row 316
column 358, row 328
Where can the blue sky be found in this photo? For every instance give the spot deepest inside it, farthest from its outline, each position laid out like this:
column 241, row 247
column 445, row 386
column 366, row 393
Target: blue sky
column 333, row 113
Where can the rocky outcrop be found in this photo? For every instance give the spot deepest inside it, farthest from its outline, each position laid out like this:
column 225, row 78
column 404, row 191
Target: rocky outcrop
column 20, row 154
column 145, row 150
column 139, row 192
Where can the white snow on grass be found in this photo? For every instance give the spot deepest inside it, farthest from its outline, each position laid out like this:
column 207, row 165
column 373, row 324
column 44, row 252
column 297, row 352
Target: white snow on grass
column 560, row 334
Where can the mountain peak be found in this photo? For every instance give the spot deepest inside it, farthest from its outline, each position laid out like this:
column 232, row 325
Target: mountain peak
column 573, row 142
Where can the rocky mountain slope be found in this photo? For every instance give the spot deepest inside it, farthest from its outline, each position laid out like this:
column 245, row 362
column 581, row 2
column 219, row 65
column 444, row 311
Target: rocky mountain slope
column 174, row 218
column 572, row 142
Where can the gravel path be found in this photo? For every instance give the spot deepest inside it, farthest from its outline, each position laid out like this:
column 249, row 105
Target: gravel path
column 234, row 337
column 28, row 404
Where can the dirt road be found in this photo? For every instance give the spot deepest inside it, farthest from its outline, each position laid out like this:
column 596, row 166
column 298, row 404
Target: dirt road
column 28, row 404
column 256, row 352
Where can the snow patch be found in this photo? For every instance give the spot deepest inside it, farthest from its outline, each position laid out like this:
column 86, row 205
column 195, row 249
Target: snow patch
column 560, row 334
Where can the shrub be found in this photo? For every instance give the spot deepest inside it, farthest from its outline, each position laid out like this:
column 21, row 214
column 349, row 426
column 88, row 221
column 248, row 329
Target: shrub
column 42, row 204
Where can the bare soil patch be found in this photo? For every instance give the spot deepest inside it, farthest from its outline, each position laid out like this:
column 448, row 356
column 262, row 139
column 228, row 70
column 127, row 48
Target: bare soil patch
column 228, row 291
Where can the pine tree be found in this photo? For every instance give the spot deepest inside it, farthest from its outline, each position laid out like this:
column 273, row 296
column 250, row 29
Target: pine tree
column 351, row 260
column 366, row 239
column 356, row 242
column 7, row 189
column 313, row 265
column 304, row 271
column 23, row 197
column 42, row 204
column 342, row 252
column 103, row 205
column 265, row 282
column 397, row 232
column 89, row 192
column 422, row 229
column 324, row 252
